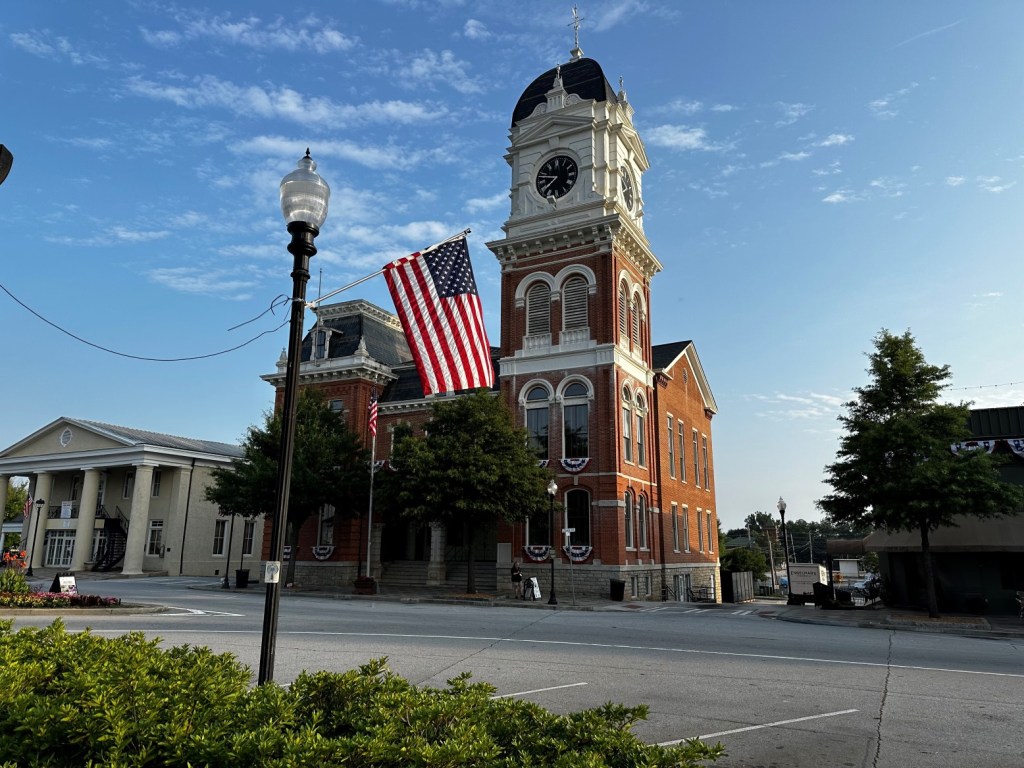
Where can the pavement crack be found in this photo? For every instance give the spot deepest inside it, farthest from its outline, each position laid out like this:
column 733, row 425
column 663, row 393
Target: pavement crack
column 881, row 704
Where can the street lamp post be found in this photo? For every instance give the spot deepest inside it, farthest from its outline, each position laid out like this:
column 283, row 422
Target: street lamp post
column 227, row 560
column 304, row 198
column 40, row 503
column 785, row 550
column 552, row 490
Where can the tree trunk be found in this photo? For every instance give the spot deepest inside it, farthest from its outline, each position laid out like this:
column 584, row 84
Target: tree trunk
column 929, row 574
column 467, row 536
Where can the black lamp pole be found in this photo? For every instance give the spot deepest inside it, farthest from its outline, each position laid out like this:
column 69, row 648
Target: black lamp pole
column 552, row 490
column 785, row 549
column 227, row 560
column 303, row 194
column 40, row 503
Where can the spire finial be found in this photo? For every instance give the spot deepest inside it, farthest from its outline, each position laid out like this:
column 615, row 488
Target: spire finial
column 576, row 52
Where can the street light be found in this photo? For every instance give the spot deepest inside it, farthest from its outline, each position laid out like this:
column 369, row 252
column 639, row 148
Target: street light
column 304, row 198
column 785, row 549
column 552, row 490
column 40, row 503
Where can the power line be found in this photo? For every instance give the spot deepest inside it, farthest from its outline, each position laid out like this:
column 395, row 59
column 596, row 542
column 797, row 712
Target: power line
column 100, row 347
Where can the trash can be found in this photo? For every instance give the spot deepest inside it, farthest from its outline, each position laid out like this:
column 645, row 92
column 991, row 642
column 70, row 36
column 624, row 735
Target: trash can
column 242, row 578
column 618, row 589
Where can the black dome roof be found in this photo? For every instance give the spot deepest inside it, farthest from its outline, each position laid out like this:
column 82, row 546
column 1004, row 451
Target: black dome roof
column 584, row 77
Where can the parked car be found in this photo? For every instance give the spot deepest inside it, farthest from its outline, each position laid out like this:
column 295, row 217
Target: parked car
column 869, row 586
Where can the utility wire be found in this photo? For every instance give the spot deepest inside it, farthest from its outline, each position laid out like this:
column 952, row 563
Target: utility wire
column 156, row 359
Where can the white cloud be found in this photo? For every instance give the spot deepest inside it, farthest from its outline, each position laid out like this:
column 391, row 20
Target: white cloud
column 41, row 44
column 681, row 137
column 204, row 281
column 794, row 156
column 994, row 184
column 283, row 103
column 791, row 112
column 475, row 30
column 684, row 107
column 839, row 196
column 829, row 170
column 955, row 181
column 305, row 34
column 723, row 108
column 428, row 69
column 368, row 155
column 889, row 105
column 889, row 186
column 491, row 203
column 835, row 140
column 809, row 405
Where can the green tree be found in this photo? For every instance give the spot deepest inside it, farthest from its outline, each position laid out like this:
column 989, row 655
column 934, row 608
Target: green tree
column 741, row 559
column 330, row 468
column 17, row 495
column 471, row 468
column 895, row 469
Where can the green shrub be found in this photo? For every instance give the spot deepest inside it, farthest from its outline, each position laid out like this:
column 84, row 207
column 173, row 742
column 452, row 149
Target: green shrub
column 14, row 582
column 54, row 600
column 77, row 699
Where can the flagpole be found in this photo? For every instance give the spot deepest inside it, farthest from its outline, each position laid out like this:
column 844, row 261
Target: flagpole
column 369, row 519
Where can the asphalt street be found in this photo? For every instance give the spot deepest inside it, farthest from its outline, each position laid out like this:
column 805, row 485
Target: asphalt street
column 774, row 693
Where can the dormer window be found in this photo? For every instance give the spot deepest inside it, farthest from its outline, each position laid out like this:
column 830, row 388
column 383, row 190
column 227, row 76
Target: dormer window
column 321, row 343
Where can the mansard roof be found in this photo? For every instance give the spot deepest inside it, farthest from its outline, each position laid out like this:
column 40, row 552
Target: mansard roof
column 584, row 77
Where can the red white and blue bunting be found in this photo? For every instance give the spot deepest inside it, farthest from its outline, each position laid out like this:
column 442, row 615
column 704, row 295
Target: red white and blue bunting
column 323, row 552
column 1017, row 445
column 574, row 465
column 578, row 553
column 974, row 445
column 536, row 553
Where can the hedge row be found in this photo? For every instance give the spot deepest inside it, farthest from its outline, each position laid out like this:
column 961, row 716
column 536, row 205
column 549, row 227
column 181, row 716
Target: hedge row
column 71, row 699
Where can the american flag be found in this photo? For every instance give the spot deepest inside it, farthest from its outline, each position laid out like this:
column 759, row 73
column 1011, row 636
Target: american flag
column 436, row 299
column 27, row 511
column 373, row 415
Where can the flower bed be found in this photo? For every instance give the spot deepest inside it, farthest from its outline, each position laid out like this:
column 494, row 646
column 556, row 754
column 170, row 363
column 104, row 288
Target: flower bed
column 55, row 600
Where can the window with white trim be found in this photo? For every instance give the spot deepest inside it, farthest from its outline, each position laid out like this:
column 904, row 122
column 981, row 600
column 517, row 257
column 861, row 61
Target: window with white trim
column 700, row 531
column 682, row 452
column 671, row 446
column 129, row 484
column 704, row 453
column 538, row 401
column 219, row 532
column 641, row 428
column 155, row 542
column 711, row 534
column 577, row 516
column 628, row 501
column 157, row 478
column 325, row 526
column 675, row 527
column 634, row 312
column 642, row 521
column 627, row 433
column 248, row 534
column 576, row 421
column 538, row 309
column 696, row 461
column 686, row 529
column 623, row 311
column 575, row 294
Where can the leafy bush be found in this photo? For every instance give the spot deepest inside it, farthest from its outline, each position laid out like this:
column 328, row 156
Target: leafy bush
column 13, row 581
column 77, row 699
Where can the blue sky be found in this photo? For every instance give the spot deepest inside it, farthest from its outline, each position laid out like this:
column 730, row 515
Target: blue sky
column 819, row 171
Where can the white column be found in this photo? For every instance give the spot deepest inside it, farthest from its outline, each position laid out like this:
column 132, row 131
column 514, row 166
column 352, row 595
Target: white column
column 37, row 527
column 86, row 520
column 139, row 521
column 4, row 482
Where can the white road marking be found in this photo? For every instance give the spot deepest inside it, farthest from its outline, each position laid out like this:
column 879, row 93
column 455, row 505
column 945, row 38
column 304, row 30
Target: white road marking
column 536, row 690
column 195, row 612
column 758, row 727
column 616, row 646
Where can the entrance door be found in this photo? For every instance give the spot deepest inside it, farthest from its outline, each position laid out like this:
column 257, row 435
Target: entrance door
column 59, row 547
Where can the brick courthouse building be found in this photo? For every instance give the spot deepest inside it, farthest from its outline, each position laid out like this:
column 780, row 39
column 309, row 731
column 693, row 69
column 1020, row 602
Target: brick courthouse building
column 623, row 425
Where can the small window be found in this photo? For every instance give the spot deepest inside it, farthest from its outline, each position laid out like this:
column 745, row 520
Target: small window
column 129, row 485
column 336, row 406
column 675, row 527
column 641, row 428
column 711, row 535
column 219, row 530
column 320, row 337
column 157, row 477
column 628, row 500
column 700, row 531
column 325, row 532
column 623, row 311
column 704, row 454
column 696, row 461
column 627, row 439
column 635, row 319
column 686, row 529
column 671, row 448
column 641, row 519
column 247, row 536
column 155, row 545
column 682, row 453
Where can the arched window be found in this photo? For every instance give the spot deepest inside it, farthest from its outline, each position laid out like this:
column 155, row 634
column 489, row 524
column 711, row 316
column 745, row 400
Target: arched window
column 577, row 516
column 627, row 425
column 634, row 311
column 576, row 421
column 574, row 304
column 641, row 520
column 641, row 423
column 537, row 413
column 628, row 502
column 538, row 309
column 623, row 311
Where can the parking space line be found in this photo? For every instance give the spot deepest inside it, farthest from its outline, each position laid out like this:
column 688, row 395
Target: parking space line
column 536, row 690
column 759, row 727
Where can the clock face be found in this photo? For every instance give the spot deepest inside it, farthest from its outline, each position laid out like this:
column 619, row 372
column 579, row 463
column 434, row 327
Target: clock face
column 557, row 176
column 627, row 189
